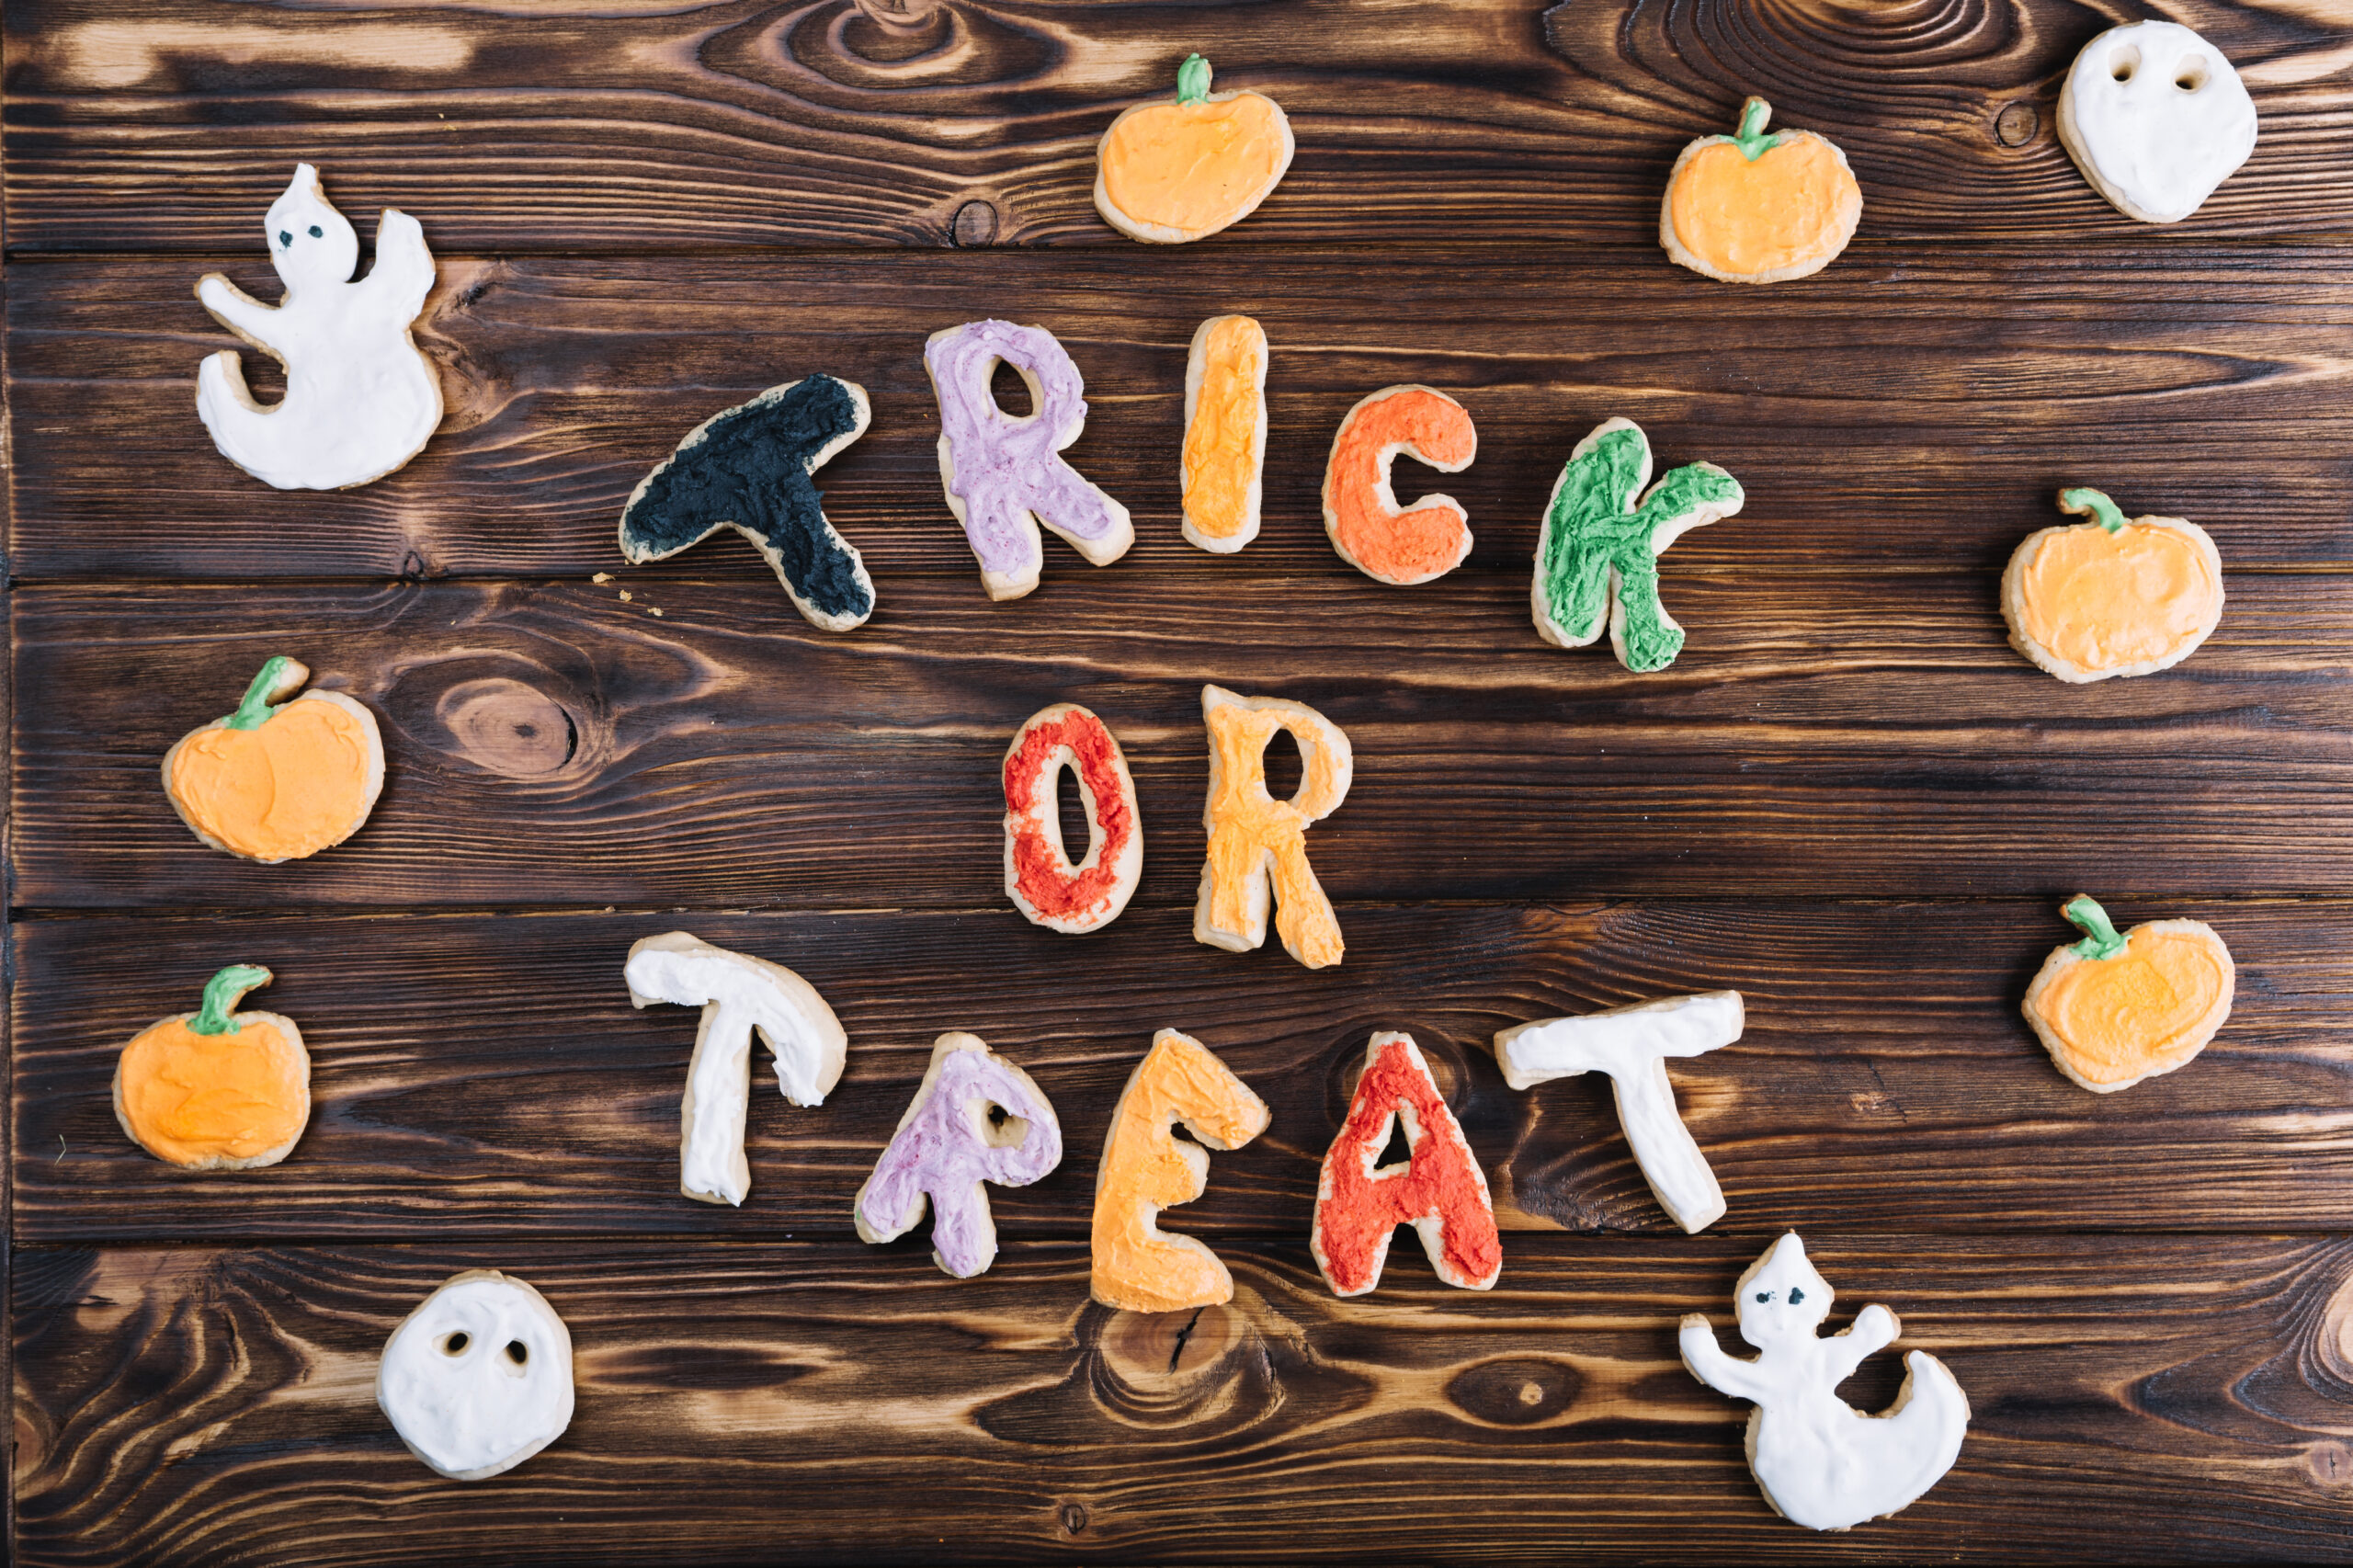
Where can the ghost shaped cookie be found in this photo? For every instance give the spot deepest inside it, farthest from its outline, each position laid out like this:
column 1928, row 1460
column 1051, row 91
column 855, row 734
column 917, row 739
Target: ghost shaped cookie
column 361, row 401
column 2155, row 118
column 477, row 1378
column 278, row 780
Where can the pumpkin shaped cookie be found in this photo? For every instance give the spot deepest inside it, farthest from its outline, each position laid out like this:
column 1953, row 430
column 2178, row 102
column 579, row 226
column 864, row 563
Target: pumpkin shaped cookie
column 2115, row 1009
column 272, row 783
column 1180, row 170
column 2108, row 598
column 1753, row 208
column 216, row 1090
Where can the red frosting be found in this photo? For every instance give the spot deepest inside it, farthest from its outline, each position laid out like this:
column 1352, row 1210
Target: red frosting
column 1051, row 889
column 1356, row 1214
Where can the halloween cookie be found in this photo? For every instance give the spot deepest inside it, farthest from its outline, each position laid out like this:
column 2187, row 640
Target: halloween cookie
column 1439, row 1190
column 737, row 994
column 2155, row 118
column 752, row 468
column 278, row 780
column 1257, row 844
column 1387, row 543
column 361, row 401
column 1038, row 876
column 1140, row 1267
column 1175, row 171
column 216, row 1089
column 1597, row 556
column 477, row 1378
column 2087, row 601
column 946, row 1145
column 2115, row 1009
column 1006, row 477
column 1754, row 208
column 1821, row 1462
column 1219, row 473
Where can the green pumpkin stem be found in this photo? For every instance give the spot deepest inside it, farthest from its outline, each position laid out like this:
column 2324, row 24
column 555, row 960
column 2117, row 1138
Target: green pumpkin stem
column 222, row 995
column 255, row 709
column 1193, row 80
column 1750, row 138
column 2084, row 503
column 2100, row 939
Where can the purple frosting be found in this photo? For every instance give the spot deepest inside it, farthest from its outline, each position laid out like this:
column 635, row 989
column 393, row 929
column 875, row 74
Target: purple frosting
column 939, row 1152
column 1005, row 466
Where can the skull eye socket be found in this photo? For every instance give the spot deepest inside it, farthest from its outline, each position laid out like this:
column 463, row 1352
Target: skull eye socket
column 2124, row 64
column 285, row 236
column 2192, row 76
column 518, row 1352
column 455, row 1345
column 1764, row 1295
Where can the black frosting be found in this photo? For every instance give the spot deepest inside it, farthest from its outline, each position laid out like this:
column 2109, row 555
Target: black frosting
column 751, row 468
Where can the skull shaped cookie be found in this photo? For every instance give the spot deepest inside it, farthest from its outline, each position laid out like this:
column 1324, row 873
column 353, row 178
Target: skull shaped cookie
column 479, row 1378
column 2156, row 118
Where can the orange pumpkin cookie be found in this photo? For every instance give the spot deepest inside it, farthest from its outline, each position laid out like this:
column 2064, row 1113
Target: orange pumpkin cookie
column 1753, row 208
column 2113, row 1010
column 1175, row 171
column 215, row 1090
column 273, row 783
column 2089, row 600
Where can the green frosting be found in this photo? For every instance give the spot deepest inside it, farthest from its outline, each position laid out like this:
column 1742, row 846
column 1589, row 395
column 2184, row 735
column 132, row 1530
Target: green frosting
column 222, row 995
column 2100, row 940
column 1589, row 537
column 1192, row 80
column 1750, row 138
column 2092, row 504
column 255, row 710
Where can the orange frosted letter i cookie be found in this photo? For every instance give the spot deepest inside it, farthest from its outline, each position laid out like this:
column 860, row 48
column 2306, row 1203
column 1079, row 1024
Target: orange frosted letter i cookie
column 1225, row 433
column 1257, row 840
column 1389, row 543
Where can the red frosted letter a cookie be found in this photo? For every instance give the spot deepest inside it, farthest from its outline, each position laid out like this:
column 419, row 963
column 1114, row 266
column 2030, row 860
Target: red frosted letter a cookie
column 1440, row 1191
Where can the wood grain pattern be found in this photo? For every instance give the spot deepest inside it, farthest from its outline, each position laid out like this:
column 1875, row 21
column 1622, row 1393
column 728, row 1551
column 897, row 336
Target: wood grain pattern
column 207, row 1405
column 1907, row 409
column 733, row 123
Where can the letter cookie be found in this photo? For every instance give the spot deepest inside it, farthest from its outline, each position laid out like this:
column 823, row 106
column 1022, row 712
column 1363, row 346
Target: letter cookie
column 1631, row 1044
column 1821, row 1462
column 278, row 780
column 1004, row 477
column 1173, row 172
column 1439, row 1191
column 1751, row 208
column 1256, row 841
column 2113, row 1010
column 2155, row 118
column 2089, row 600
column 479, row 1378
column 1597, row 557
column 946, row 1147
column 737, row 994
column 1221, row 472
column 1139, row 1268
column 1388, row 543
column 752, row 468
column 1038, row 876
column 216, row 1090
column 361, row 401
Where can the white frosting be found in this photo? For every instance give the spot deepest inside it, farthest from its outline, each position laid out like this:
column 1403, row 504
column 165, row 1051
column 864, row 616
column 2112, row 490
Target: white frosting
column 479, row 1378
column 1631, row 1045
column 1823, row 1463
column 737, row 994
column 361, row 401
column 2155, row 118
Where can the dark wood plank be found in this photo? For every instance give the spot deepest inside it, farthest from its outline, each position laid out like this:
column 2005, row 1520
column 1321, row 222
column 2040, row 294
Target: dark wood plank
column 1909, row 409
column 160, row 124
column 486, row 1076
column 2181, row 1397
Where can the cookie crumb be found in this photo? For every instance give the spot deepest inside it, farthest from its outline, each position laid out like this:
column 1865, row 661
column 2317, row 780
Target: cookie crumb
column 602, row 577
column 626, row 595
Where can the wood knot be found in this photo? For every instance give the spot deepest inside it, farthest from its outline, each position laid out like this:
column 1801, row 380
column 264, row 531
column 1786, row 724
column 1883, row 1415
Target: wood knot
column 506, row 727
column 1207, row 1370
column 2017, row 124
column 975, row 225
column 1520, row 1392
column 1073, row 1516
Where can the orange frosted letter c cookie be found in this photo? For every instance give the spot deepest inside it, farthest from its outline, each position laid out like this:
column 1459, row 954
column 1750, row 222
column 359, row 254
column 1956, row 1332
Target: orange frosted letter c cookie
column 1255, row 840
column 1386, row 542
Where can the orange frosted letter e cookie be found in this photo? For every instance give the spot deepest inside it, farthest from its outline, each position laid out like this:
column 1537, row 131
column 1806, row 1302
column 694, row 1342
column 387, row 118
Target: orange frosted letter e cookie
column 1386, row 542
column 1254, row 838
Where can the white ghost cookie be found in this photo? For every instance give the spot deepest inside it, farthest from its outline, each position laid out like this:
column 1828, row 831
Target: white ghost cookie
column 2155, row 118
column 361, row 401
column 1821, row 1462
column 479, row 1378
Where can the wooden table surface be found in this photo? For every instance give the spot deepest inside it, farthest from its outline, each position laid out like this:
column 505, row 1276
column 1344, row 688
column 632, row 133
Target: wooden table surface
column 1848, row 799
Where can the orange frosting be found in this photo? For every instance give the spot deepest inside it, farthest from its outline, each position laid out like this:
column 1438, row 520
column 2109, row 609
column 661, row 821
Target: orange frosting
column 1786, row 208
column 1398, row 547
column 289, row 789
column 1247, row 824
column 1193, row 166
column 1225, row 439
column 190, row 1096
column 1137, row 1267
column 2124, row 1018
column 2103, row 601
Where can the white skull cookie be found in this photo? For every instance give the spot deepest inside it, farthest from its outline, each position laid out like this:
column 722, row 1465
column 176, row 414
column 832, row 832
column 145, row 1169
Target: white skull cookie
column 2155, row 118
column 479, row 1378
